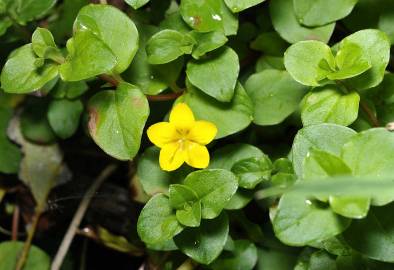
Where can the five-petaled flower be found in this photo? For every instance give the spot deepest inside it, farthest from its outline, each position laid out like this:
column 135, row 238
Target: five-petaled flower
column 182, row 139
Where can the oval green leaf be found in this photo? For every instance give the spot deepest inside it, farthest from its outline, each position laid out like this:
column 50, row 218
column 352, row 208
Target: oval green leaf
column 207, row 74
column 117, row 119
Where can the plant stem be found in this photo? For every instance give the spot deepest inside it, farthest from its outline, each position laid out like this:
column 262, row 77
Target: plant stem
column 15, row 223
column 109, row 79
column 115, row 82
column 78, row 216
column 187, row 265
column 164, row 97
column 371, row 116
column 30, row 235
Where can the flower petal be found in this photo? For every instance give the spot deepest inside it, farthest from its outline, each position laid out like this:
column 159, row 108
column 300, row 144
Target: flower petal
column 162, row 133
column 202, row 132
column 171, row 156
column 197, row 155
column 182, row 117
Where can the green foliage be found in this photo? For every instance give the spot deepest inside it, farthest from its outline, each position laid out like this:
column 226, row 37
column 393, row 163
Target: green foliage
column 10, row 250
column 207, row 74
column 116, row 120
column 295, row 96
column 275, row 95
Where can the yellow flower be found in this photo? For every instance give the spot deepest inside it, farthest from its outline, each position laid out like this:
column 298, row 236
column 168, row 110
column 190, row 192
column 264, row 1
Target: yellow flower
column 183, row 139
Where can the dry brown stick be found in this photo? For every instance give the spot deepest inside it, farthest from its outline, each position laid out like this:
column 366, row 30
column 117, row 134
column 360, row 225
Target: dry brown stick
column 78, row 216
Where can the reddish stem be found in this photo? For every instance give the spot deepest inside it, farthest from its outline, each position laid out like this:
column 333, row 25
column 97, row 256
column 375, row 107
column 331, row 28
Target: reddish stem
column 15, row 223
column 164, row 97
column 115, row 82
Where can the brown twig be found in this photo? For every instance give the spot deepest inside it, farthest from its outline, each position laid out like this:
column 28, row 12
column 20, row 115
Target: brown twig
column 15, row 223
column 79, row 214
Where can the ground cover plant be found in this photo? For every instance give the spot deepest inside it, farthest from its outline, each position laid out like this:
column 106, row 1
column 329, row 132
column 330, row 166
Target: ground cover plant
column 196, row 134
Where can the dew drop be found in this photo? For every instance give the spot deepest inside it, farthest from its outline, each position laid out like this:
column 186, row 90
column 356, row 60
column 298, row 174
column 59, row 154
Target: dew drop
column 216, row 17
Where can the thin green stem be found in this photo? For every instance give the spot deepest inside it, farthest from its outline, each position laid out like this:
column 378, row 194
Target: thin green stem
column 30, row 235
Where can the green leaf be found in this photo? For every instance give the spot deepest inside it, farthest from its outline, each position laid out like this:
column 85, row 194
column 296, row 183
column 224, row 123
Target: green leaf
column 174, row 21
column 24, row 11
column 286, row 24
column 275, row 96
column 319, row 165
column 244, row 256
column 117, row 242
column 117, row 119
column 237, row 6
column 270, row 43
column 386, row 21
column 152, row 79
column 41, row 167
column 69, row 90
column 85, row 48
column 240, row 199
column 157, row 222
column 326, row 137
column 207, row 74
column 5, row 23
column 315, row 261
column 209, row 15
column 350, row 62
column 207, row 42
column 375, row 47
column 329, row 105
column 136, row 4
column 229, row 118
column 309, row 12
column 299, row 221
column 187, row 205
column 304, row 59
column 10, row 154
column 20, row 74
column 252, row 171
column 10, row 251
column 351, row 207
column 275, row 259
column 34, row 123
column 62, row 26
column 214, row 187
column 270, row 62
column 205, row 243
column 373, row 235
column 227, row 156
column 371, row 153
column 167, row 45
column 114, row 28
column 44, row 45
column 152, row 177
column 63, row 116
